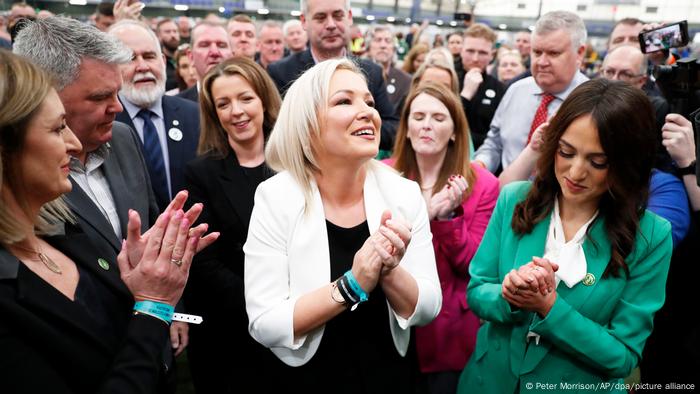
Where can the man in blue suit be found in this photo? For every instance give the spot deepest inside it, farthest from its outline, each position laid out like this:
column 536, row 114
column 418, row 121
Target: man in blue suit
column 167, row 126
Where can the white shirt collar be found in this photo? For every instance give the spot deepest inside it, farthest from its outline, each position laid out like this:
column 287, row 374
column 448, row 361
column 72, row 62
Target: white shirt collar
column 568, row 255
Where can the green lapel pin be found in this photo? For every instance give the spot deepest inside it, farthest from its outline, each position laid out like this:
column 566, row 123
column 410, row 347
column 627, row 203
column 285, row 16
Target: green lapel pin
column 103, row 264
column 589, row 279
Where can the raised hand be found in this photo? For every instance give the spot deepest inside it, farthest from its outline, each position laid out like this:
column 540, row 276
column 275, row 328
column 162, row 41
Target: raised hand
column 679, row 140
column 136, row 241
column 161, row 272
column 127, row 9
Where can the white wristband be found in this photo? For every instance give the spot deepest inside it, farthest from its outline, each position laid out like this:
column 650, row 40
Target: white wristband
column 183, row 317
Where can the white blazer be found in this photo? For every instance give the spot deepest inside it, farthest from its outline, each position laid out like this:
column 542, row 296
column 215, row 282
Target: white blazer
column 286, row 256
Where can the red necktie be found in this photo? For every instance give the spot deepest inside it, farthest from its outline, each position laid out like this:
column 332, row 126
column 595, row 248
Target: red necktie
column 541, row 114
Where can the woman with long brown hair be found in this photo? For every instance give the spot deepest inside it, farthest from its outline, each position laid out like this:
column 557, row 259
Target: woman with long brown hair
column 432, row 148
column 573, row 267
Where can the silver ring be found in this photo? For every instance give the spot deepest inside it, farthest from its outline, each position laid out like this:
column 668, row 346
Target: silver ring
column 177, row 262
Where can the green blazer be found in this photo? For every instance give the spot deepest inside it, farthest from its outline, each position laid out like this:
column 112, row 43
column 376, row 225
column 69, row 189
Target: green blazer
column 593, row 335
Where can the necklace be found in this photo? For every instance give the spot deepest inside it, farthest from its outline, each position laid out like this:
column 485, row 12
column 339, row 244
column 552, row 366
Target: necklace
column 43, row 258
column 425, row 189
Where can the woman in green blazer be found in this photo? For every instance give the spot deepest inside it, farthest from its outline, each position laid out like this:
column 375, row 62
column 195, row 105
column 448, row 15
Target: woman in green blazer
column 572, row 267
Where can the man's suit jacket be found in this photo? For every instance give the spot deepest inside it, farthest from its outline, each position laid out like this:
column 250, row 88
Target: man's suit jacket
column 596, row 330
column 126, row 174
column 287, row 70
column 51, row 344
column 191, row 93
column 217, row 274
column 183, row 115
column 287, row 256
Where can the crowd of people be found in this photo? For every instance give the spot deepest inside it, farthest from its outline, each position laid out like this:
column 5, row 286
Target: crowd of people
column 295, row 208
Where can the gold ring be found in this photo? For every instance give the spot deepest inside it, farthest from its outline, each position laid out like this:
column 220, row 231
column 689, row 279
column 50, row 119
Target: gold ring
column 517, row 289
column 177, row 262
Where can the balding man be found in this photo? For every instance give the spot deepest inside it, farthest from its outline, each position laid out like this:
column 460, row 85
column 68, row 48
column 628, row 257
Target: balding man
column 628, row 63
column 210, row 46
column 558, row 45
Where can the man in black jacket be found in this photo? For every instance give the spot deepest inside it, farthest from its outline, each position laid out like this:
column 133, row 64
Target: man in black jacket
column 481, row 93
column 327, row 24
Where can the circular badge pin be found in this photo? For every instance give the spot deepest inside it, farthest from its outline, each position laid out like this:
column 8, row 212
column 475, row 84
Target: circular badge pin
column 176, row 122
column 103, row 264
column 490, row 93
column 175, row 134
column 390, row 89
column 589, row 279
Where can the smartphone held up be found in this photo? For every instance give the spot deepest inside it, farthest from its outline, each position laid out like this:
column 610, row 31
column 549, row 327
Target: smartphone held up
column 669, row 36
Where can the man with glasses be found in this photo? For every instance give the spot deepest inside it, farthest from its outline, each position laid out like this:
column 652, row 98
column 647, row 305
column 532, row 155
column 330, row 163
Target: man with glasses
column 625, row 63
column 481, row 93
column 628, row 63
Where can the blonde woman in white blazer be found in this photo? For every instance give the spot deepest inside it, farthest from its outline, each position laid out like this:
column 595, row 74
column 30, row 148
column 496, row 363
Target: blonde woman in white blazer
column 332, row 208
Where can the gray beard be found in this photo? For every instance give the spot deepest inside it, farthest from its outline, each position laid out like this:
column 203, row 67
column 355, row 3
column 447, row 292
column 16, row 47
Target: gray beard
column 143, row 98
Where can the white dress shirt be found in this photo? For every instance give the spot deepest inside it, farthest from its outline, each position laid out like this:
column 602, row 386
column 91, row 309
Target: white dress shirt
column 511, row 123
column 92, row 180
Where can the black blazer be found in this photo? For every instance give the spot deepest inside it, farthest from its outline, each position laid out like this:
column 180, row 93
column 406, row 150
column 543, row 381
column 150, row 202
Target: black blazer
column 184, row 115
column 215, row 285
column 125, row 170
column 190, row 93
column 51, row 344
column 287, row 70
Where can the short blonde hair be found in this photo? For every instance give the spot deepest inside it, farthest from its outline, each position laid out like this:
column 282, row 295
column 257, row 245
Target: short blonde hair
column 23, row 88
column 480, row 30
column 290, row 146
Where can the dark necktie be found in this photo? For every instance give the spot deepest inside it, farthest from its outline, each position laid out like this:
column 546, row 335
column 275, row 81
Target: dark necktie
column 541, row 114
column 153, row 153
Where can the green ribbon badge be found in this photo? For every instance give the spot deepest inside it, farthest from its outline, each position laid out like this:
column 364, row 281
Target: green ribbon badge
column 103, row 264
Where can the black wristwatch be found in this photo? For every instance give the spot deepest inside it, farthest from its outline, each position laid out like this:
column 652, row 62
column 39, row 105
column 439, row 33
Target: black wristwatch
column 690, row 170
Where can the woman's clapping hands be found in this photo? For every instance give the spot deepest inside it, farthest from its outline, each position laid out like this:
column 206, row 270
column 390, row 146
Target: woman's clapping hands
column 447, row 200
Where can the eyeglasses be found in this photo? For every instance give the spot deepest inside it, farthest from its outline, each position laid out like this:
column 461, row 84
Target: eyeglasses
column 622, row 75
